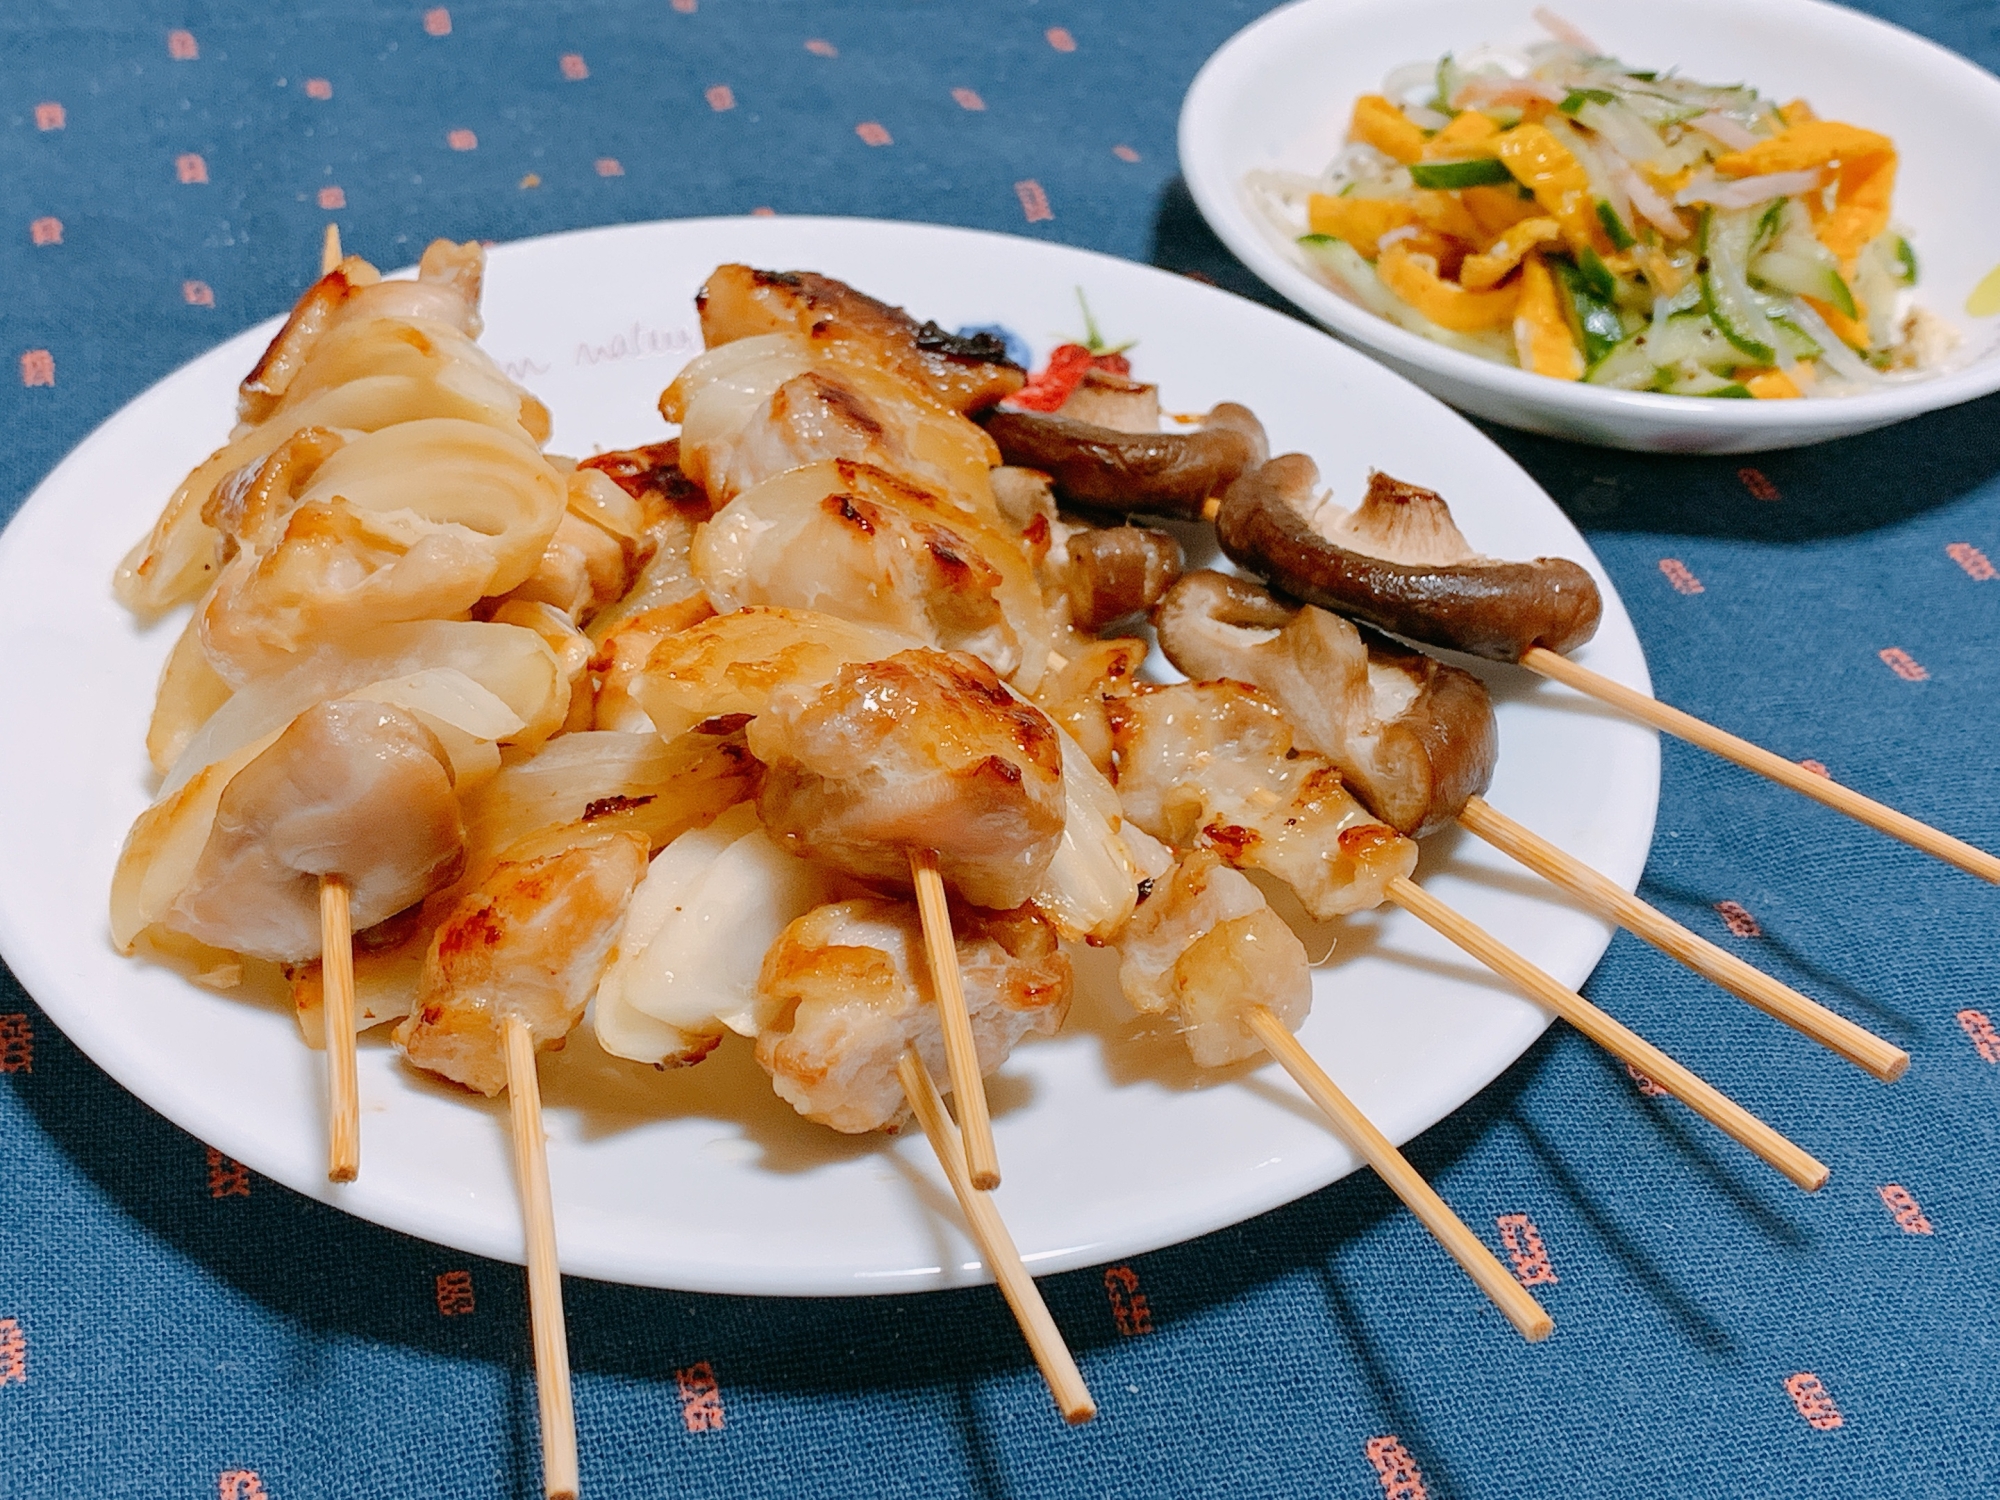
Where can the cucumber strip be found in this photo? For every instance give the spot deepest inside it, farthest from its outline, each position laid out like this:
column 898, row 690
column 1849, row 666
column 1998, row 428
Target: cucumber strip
column 1704, row 384
column 1725, row 284
column 1596, row 274
column 1577, row 98
column 1480, row 171
column 1785, row 270
column 1674, row 348
column 1621, row 237
column 1592, row 318
column 1906, row 262
column 1769, row 225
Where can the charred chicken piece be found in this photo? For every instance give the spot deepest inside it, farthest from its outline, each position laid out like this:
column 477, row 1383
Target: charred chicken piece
column 851, row 540
column 355, row 789
column 1399, row 563
column 849, row 988
column 1213, row 765
column 1413, row 737
column 1132, row 473
column 965, row 372
column 923, row 750
column 530, row 940
column 1205, row 948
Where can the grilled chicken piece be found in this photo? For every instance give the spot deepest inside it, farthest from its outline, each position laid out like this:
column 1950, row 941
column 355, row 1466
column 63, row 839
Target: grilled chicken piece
column 531, row 940
column 417, row 521
column 965, row 372
column 355, row 789
column 849, row 989
column 751, row 410
column 1213, row 765
column 923, row 750
column 1414, row 738
column 1204, row 947
column 851, row 540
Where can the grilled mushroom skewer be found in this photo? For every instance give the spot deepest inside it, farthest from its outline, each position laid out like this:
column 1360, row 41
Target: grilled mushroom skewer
column 1399, row 562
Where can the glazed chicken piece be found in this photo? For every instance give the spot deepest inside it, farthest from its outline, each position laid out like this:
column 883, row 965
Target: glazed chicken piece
column 965, row 372
column 418, row 521
column 848, row 989
column 1414, row 737
column 751, row 410
column 851, row 540
column 1213, row 765
column 358, row 354
column 355, row 789
column 663, row 597
column 530, row 940
column 923, row 750
column 1204, row 947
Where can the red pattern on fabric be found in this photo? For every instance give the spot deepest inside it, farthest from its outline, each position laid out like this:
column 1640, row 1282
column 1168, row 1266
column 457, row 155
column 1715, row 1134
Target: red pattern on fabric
column 1903, row 664
column 1398, row 1471
column 454, row 1294
column 13, row 1353
column 47, row 231
column 332, row 197
column 1971, row 559
column 1129, row 1308
column 720, row 97
column 318, row 88
column 1034, row 202
column 227, row 1178
column 190, row 168
column 874, row 134
column 197, row 294
column 38, row 367
column 1738, row 920
column 1814, row 1401
column 1525, row 1250
column 437, row 21
column 50, row 116
column 1677, row 574
column 1902, row 1206
column 1979, row 1028
column 181, row 46
column 573, row 67
column 1060, row 39
column 701, row 1398
column 1755, row 481
column 968, row 99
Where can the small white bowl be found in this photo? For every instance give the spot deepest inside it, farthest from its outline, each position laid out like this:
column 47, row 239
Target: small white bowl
column 1279, row 93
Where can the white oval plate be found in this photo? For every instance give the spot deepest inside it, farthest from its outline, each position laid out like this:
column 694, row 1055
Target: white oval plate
column 702, row 1179
column 1278, row 94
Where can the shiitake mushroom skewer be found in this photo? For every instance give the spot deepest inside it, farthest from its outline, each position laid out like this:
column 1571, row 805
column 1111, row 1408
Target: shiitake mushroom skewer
column 1400, row 563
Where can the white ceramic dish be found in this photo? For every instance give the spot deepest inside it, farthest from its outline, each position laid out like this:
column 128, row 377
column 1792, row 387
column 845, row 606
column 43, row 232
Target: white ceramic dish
column 1279, row 93
column 702, row 1179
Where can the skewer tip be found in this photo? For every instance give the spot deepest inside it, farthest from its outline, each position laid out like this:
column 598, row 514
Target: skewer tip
column 329, row 253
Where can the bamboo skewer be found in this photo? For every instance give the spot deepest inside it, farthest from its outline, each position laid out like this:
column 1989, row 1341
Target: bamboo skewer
column 1352, row 1126
column 538, row 1224
column 336, row 968
column 329, row 250
column 996, row 1246
column 961, row 1054
column 1754, row 758
column 1621, row 1042
column 1835, row 1032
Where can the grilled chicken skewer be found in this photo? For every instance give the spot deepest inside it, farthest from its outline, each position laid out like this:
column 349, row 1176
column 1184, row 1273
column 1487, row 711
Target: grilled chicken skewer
column 1416, row 740
column 1216, row 765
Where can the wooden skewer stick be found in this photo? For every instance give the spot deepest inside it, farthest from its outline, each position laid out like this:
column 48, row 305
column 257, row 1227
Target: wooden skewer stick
column 1754, row 758
column 1524, row 1312
column 961, row 1055
column 1621, row 1042
column 1835, row 1032
column 545, row 1308
column 996, row 1245
column 329, row 252
column 336, row 969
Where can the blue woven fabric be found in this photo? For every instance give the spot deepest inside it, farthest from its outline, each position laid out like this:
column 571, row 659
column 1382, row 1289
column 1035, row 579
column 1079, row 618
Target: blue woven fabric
column 172, row 1326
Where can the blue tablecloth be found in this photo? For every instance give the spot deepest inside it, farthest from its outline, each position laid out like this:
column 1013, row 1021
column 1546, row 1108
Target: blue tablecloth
column 171, row 1325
